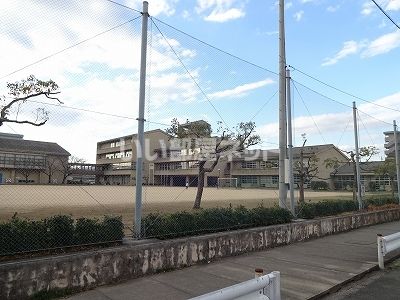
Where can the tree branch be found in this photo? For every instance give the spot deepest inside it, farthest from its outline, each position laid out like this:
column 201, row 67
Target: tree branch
column 4, row 120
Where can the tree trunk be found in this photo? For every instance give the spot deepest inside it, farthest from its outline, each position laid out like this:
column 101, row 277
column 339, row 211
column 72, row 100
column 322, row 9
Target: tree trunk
column 200, row 188
column 301, row 183
column 301, row 189
column 392, row 187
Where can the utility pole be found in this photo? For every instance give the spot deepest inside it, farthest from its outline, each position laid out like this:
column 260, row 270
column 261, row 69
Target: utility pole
column 141, row 120
column 282, row 107
column 358, row 180
column 290, row 143
column 396, row 151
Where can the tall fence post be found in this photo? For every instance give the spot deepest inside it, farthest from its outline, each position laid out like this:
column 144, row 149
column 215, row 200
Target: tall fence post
column 141, row 120
column 282, row 107
column 358, row 175
column 396, row 153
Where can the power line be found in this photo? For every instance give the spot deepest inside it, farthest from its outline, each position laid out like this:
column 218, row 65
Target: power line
column 70, row 47
column 386, row 14
column 338, row 102
column 379, row 120
column 305, row 105
column 190, row 74
column 218, row 49
column 366, row 129
column 322, row 95
column 124, row 6
column 342, row 91
column 262, row 107
column 345, row 129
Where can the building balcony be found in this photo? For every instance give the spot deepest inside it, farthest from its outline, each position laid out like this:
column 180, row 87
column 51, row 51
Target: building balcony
column 114, row 149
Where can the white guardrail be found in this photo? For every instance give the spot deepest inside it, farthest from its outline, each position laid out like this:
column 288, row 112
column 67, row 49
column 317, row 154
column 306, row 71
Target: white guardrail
column 264, row 287
column 387, row 244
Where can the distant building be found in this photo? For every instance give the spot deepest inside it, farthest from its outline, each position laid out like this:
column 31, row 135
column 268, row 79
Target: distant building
column 343, row 177
column 25, row 161
column 174, row 162
column 260, row 168
column 117, row 157
column 389, row 143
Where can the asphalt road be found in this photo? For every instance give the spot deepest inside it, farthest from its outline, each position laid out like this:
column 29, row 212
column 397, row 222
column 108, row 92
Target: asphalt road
column 382, row 285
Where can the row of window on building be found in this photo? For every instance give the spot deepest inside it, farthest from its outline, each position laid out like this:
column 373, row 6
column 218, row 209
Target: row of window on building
column 125, row 154
column 22, row 160
column 271, row 164
column 184, row 165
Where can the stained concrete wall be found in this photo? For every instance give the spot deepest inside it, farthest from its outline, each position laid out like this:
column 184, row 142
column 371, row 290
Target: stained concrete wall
column 80, row 271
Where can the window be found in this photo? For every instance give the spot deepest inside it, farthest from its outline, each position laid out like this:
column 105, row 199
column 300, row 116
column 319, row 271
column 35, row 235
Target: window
column 128, row 153
column 249, row 165
column 112, row 145
column 249, row 180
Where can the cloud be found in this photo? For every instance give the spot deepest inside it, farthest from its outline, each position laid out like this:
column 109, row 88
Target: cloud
column 382, row 44
column 101, row 74
column 328, row 123
column 349, row 48
column 298, row 15
column 156, row 7
column 240, row 90
column 393, row 5
column 333, row 8
column 367, row 8
column 220, row 10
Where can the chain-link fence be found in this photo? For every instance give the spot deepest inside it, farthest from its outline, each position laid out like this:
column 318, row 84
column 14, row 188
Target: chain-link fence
column 68, row 146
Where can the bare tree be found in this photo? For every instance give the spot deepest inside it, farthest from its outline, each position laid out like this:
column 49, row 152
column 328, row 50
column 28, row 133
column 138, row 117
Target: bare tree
column 242, row 137
column 50, row 168
column 306, row 169
column 65, row 168
column 20, row 92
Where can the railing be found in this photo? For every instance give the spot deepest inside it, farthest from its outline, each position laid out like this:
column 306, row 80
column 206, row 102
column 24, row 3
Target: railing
column 265, row 287
column 387, row 244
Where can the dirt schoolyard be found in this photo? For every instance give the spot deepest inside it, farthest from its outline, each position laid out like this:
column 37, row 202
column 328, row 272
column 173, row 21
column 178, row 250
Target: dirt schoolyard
column 38, row 201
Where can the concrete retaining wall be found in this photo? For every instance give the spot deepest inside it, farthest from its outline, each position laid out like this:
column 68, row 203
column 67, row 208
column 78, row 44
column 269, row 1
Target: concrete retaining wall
column 80, row 271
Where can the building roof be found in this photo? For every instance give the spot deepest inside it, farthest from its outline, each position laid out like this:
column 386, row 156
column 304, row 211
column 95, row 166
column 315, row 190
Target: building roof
column 131, row 136
column 27, row 146
column 365, row 168
column 274, row 153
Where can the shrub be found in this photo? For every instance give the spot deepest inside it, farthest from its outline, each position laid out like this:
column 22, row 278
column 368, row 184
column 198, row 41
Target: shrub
column 325, row 208
column 210, row 220
column 23, row 235
column 319, row 185
column 334, row 207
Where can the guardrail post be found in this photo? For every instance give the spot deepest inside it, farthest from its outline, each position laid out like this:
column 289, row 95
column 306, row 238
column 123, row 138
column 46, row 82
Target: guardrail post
column 381, row 261
column 276, row 286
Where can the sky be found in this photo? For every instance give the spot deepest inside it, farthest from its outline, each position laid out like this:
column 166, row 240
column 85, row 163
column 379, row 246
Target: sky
column 91, row 49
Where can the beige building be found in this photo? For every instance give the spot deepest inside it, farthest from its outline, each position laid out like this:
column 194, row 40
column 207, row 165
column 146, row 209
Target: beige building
column 260, row 168
column 118, row 157
column 174, row 162
column 35, row 162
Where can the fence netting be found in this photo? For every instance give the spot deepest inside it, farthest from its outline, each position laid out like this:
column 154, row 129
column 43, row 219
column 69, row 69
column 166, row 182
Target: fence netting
column 211, row 124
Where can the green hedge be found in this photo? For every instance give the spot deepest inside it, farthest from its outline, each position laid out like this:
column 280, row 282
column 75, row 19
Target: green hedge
column 319, row 185
column 334, row 207
column 165, row 226
column 22, row 235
